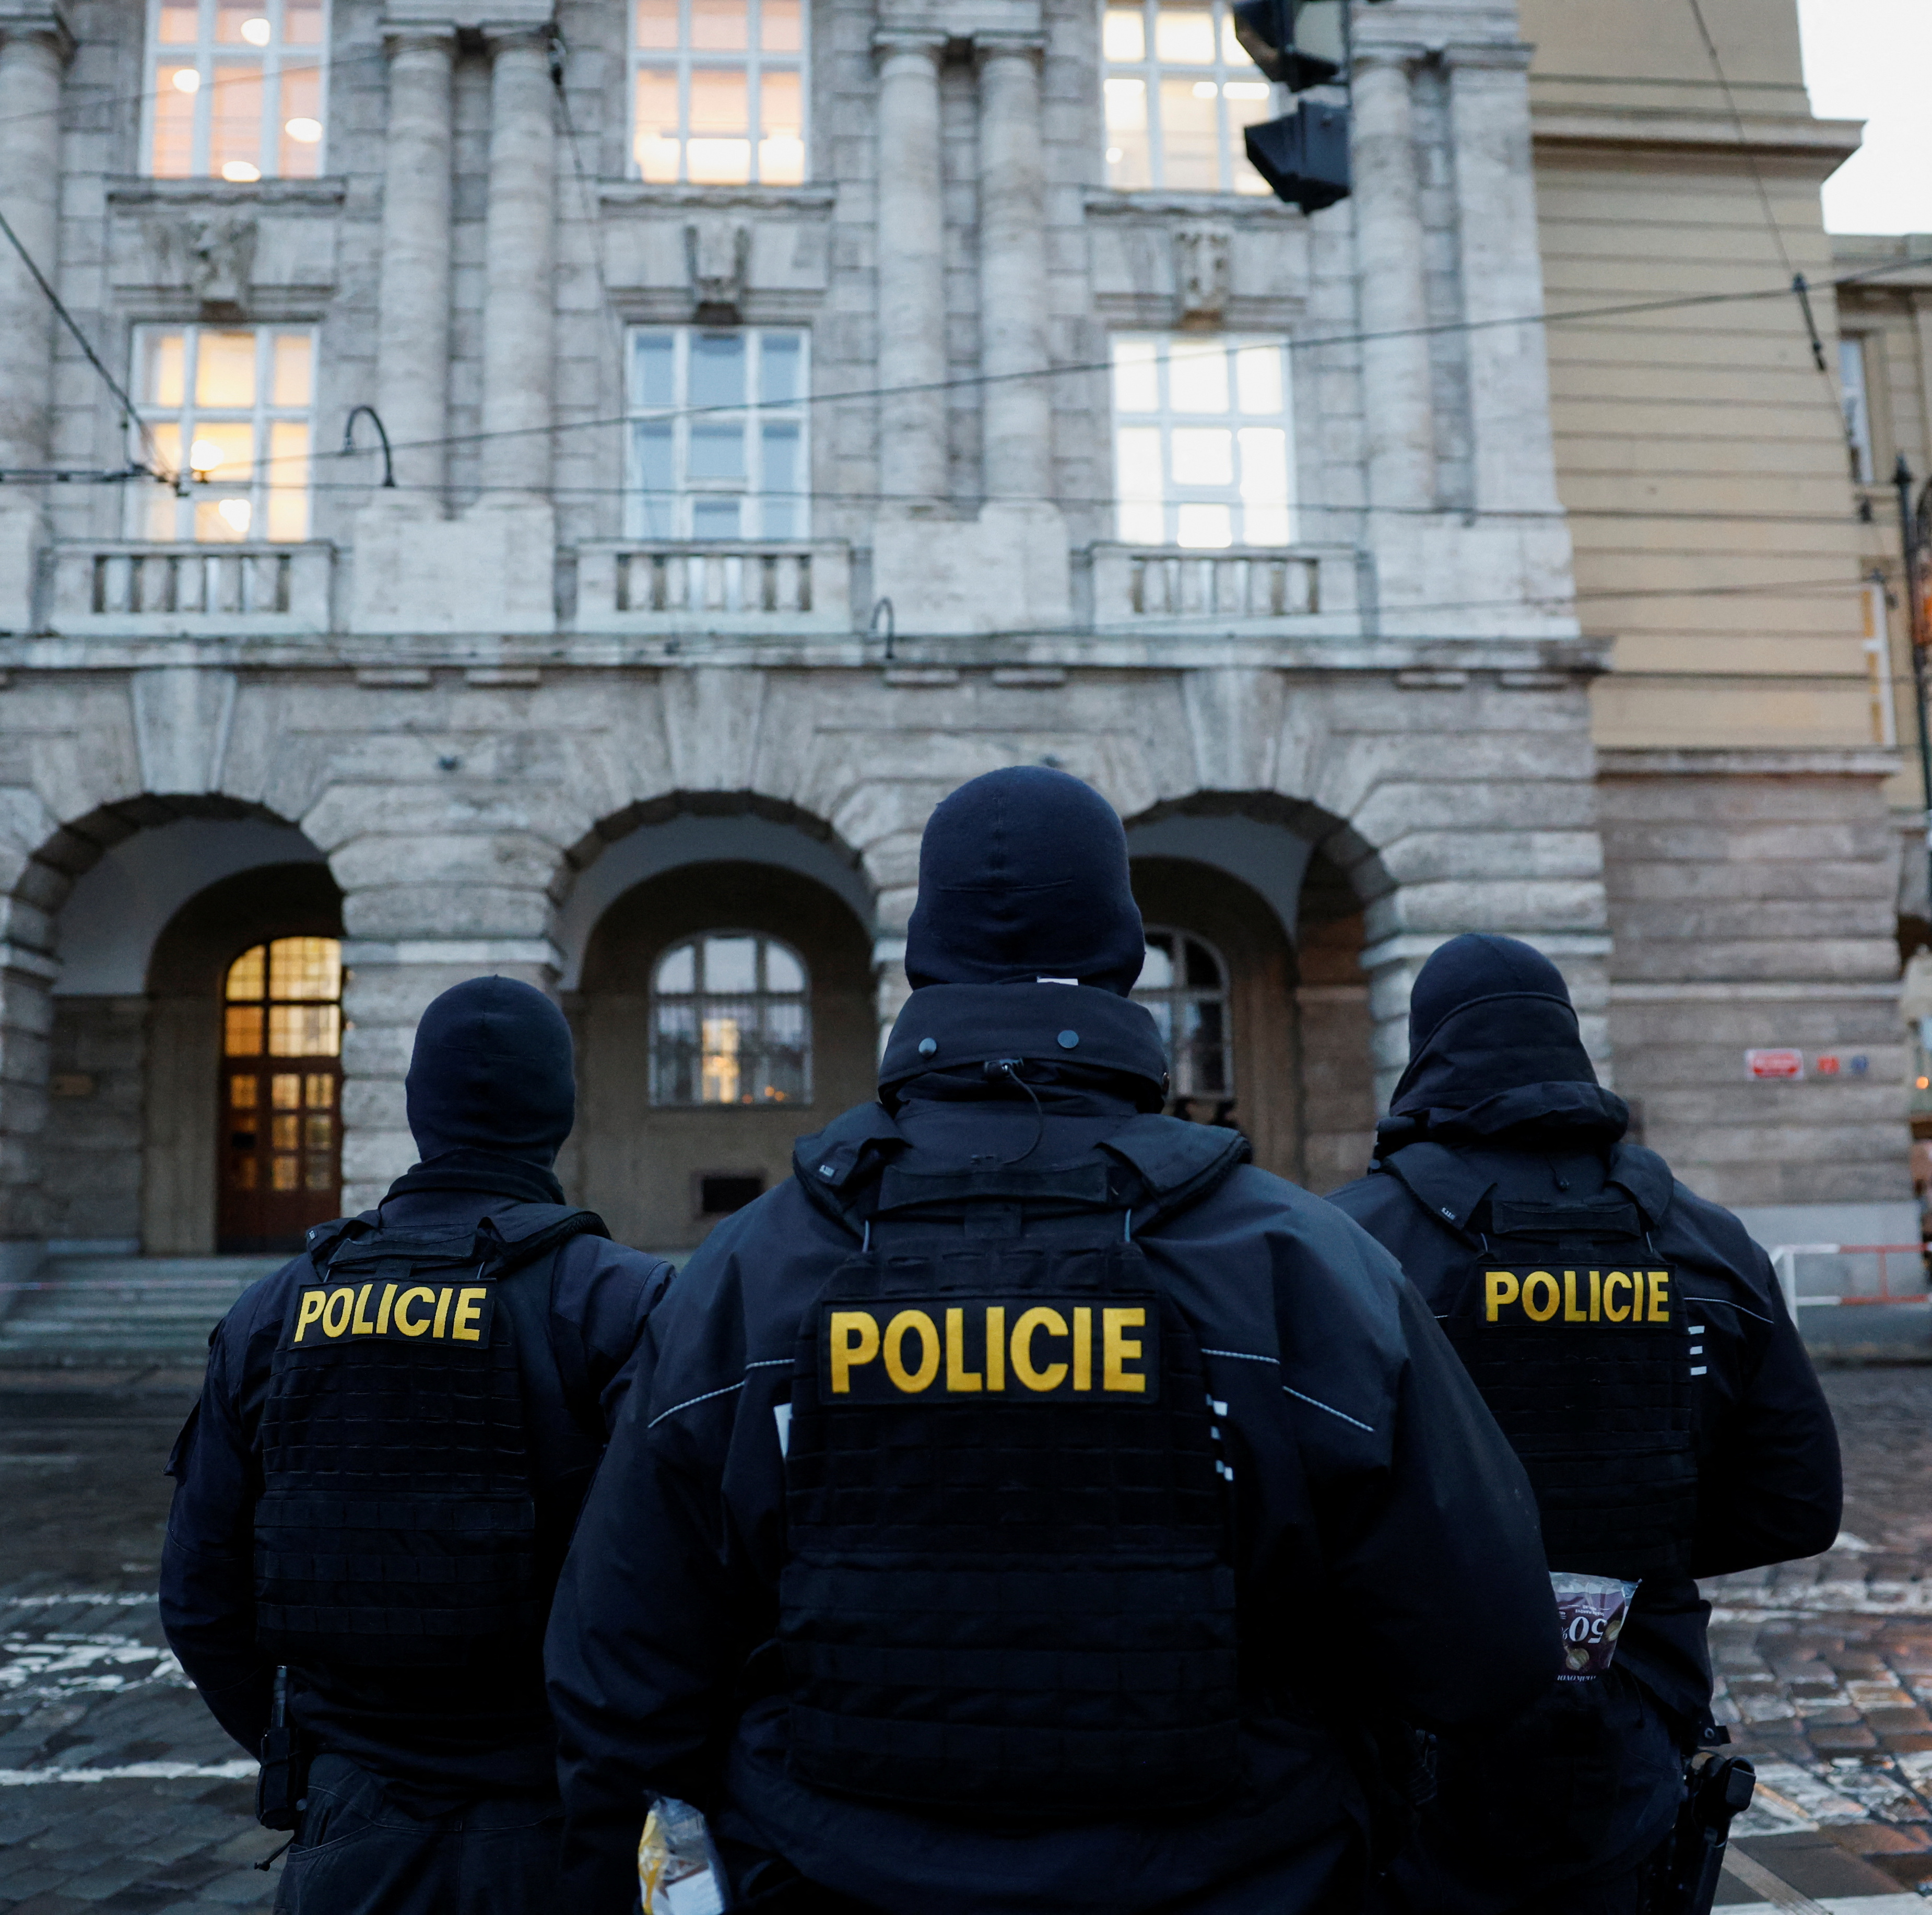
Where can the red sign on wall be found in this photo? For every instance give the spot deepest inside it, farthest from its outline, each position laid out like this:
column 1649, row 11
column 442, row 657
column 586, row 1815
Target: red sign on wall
column 1787, row 1064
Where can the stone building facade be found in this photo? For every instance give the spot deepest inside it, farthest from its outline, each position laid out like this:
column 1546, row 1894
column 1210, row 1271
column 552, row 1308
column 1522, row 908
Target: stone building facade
column 793, row 409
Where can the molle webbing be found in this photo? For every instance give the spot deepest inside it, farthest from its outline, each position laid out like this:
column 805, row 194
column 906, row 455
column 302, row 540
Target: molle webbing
column 1006, row 1594
column 396, row 1525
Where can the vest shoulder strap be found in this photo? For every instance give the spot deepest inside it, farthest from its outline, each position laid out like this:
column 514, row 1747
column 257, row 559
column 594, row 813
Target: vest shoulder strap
column 836, row 1165
column 1439, row 1181
column 1646, row 1177
column 1179, row 1164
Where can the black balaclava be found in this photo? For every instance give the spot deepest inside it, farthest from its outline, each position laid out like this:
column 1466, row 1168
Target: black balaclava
column 1493, row 1044
column 492, row 1070
column 1023, row 874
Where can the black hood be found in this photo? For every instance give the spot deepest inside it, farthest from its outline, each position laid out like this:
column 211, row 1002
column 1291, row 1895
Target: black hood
column 1494, row 1045
column 1023, row 874
column 492, row 1070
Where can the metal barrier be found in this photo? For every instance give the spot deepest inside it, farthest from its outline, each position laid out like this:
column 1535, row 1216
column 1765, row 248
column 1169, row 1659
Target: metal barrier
column 1784, row 1262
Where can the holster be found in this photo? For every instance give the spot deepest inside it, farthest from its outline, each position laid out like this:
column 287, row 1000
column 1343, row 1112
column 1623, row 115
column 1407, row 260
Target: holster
column 1717, row 1787
column 281, row 1788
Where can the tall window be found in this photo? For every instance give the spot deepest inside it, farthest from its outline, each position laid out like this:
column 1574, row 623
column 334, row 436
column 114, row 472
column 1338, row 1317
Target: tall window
column 1183, row 983
column 1179, row 91
column 730, row 1022
column 229, row 410
column 1202, row 434
column 718, row 91
column 280, row 1155
column 1853, row 384
column 719, row 449
column 235, row 87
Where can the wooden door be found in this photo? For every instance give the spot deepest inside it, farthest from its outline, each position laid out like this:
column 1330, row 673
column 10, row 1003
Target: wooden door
column 280, row 1150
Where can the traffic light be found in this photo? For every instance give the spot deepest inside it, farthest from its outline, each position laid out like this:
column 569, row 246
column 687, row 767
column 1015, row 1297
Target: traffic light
column 1303, row 156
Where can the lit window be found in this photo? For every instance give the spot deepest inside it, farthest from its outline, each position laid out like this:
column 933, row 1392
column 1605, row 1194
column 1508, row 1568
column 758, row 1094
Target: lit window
column 235, row 89
column 1853, row 386
column 1178, row 92
column 730, row 1022
column 719, row 448
column 1202, row 440
column 281, row 1036
column 1183, row 983
column 228, row 408
column 717, row 96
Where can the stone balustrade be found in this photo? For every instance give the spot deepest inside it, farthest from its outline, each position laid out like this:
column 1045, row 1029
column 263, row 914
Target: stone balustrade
column 1229, row 588
column 728, row 589
column 134, row 589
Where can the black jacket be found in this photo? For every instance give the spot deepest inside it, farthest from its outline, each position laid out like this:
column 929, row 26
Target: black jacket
column 1388, row 1541
column 1474, row 1116
column 437, row 1737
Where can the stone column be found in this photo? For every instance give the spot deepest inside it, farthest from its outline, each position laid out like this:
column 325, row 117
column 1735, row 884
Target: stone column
column 1017, row 409
column 911, row 268
column 1397, row 396
column 1502, row 276
column 519, row 256
column 34, row 50
column 412, row 342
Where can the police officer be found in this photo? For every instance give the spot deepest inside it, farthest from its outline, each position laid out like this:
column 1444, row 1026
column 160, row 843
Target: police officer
column 1012, row 1507
column 375, row 1492
column 1634, row 1347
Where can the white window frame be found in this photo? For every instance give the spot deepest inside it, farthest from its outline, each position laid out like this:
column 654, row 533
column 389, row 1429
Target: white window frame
column 1175, row 997
column 1254, row 99
column 273, row 58
column 702, row 995
column 648, row 518
column 1139, row 490
column 753, row 61
column 1854, row 389
column 266, row 473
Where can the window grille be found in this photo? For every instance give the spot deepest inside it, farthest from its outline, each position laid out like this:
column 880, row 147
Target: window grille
column 730, row 1022
column 236, row 89
column 1184, row 983
column 1203, row 434
column 1179, row 91
column 718, row 92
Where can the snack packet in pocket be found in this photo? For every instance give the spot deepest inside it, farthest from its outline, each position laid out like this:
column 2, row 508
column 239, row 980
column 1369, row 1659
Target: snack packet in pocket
column 1592, row 1610
column 677, row 1872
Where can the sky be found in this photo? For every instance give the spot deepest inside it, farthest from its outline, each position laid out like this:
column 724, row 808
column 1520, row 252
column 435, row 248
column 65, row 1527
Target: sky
column 1872, row 60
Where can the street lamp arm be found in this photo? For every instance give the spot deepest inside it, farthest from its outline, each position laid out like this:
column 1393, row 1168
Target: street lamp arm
column 376, row 419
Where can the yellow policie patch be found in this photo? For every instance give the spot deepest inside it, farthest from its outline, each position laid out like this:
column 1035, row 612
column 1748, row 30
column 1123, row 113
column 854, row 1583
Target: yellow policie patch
column 439, row 1312
column 1601, row 1299
column 1019, row 1350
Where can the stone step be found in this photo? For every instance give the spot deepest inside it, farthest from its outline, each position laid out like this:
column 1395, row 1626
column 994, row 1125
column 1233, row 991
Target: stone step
column 133, row 1307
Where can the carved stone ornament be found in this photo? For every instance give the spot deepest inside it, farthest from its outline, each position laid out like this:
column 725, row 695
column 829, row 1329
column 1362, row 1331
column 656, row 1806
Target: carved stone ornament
column 1203, row 274
column 718, row 252
column 214, row 255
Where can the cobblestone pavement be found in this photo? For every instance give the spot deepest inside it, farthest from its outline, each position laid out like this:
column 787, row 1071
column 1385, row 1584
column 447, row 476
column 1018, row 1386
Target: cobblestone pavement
column 118, row 1796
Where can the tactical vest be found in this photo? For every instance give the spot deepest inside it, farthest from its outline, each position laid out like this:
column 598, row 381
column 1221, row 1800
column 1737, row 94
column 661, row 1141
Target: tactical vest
column 1572, row 1328
column 1010, row 1584
column 396, row 1525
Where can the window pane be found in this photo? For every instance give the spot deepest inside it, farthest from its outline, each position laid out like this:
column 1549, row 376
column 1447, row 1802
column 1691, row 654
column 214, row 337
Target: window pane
column 304, row 1030
column 298, row 150
column 1123, row 36
column 1157, row 967
column 242, row 1093
column 1136, row 377
column 1140, row 462
column 719, row 1067
column 1190, row 138
column 301, row 23
column 179, row 24
column 318, row 1132
column 320, row 1177
column 1203, row 455
column 286, row 1174
column 716, row 519
column 225, row 370
column 730, row 964
column 163, row 376
column 288, row 483
column 656, row 27
column 719, row 150
column 781, row 129
column 172, row 155
column 290, row 382
column 1183, row 35
column 241, row 1030
column 1129, row 163
column 223, row 521
column 782, row 485
column 318, row 1090
column 285, row 1132
column 657, row 478
column 1204, row 969
column 718, row 369
column 223, row 452
column 658, row 149
column 248, row 973
column 231, row 16
column 779, row 354
column 654, row 364
column 780, row 26
column 717, row 449
column 783, row 972
column 309, row 968
column 1203, row 526
column 719, row 26
column 1257, row 379
column 1197, row 378
column 234, row 123
column 677, row 969
column 1264, row 465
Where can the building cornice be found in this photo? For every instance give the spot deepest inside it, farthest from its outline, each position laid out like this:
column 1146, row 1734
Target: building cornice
column 130, row 190
column 1813, row 147
column 1747, row 761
